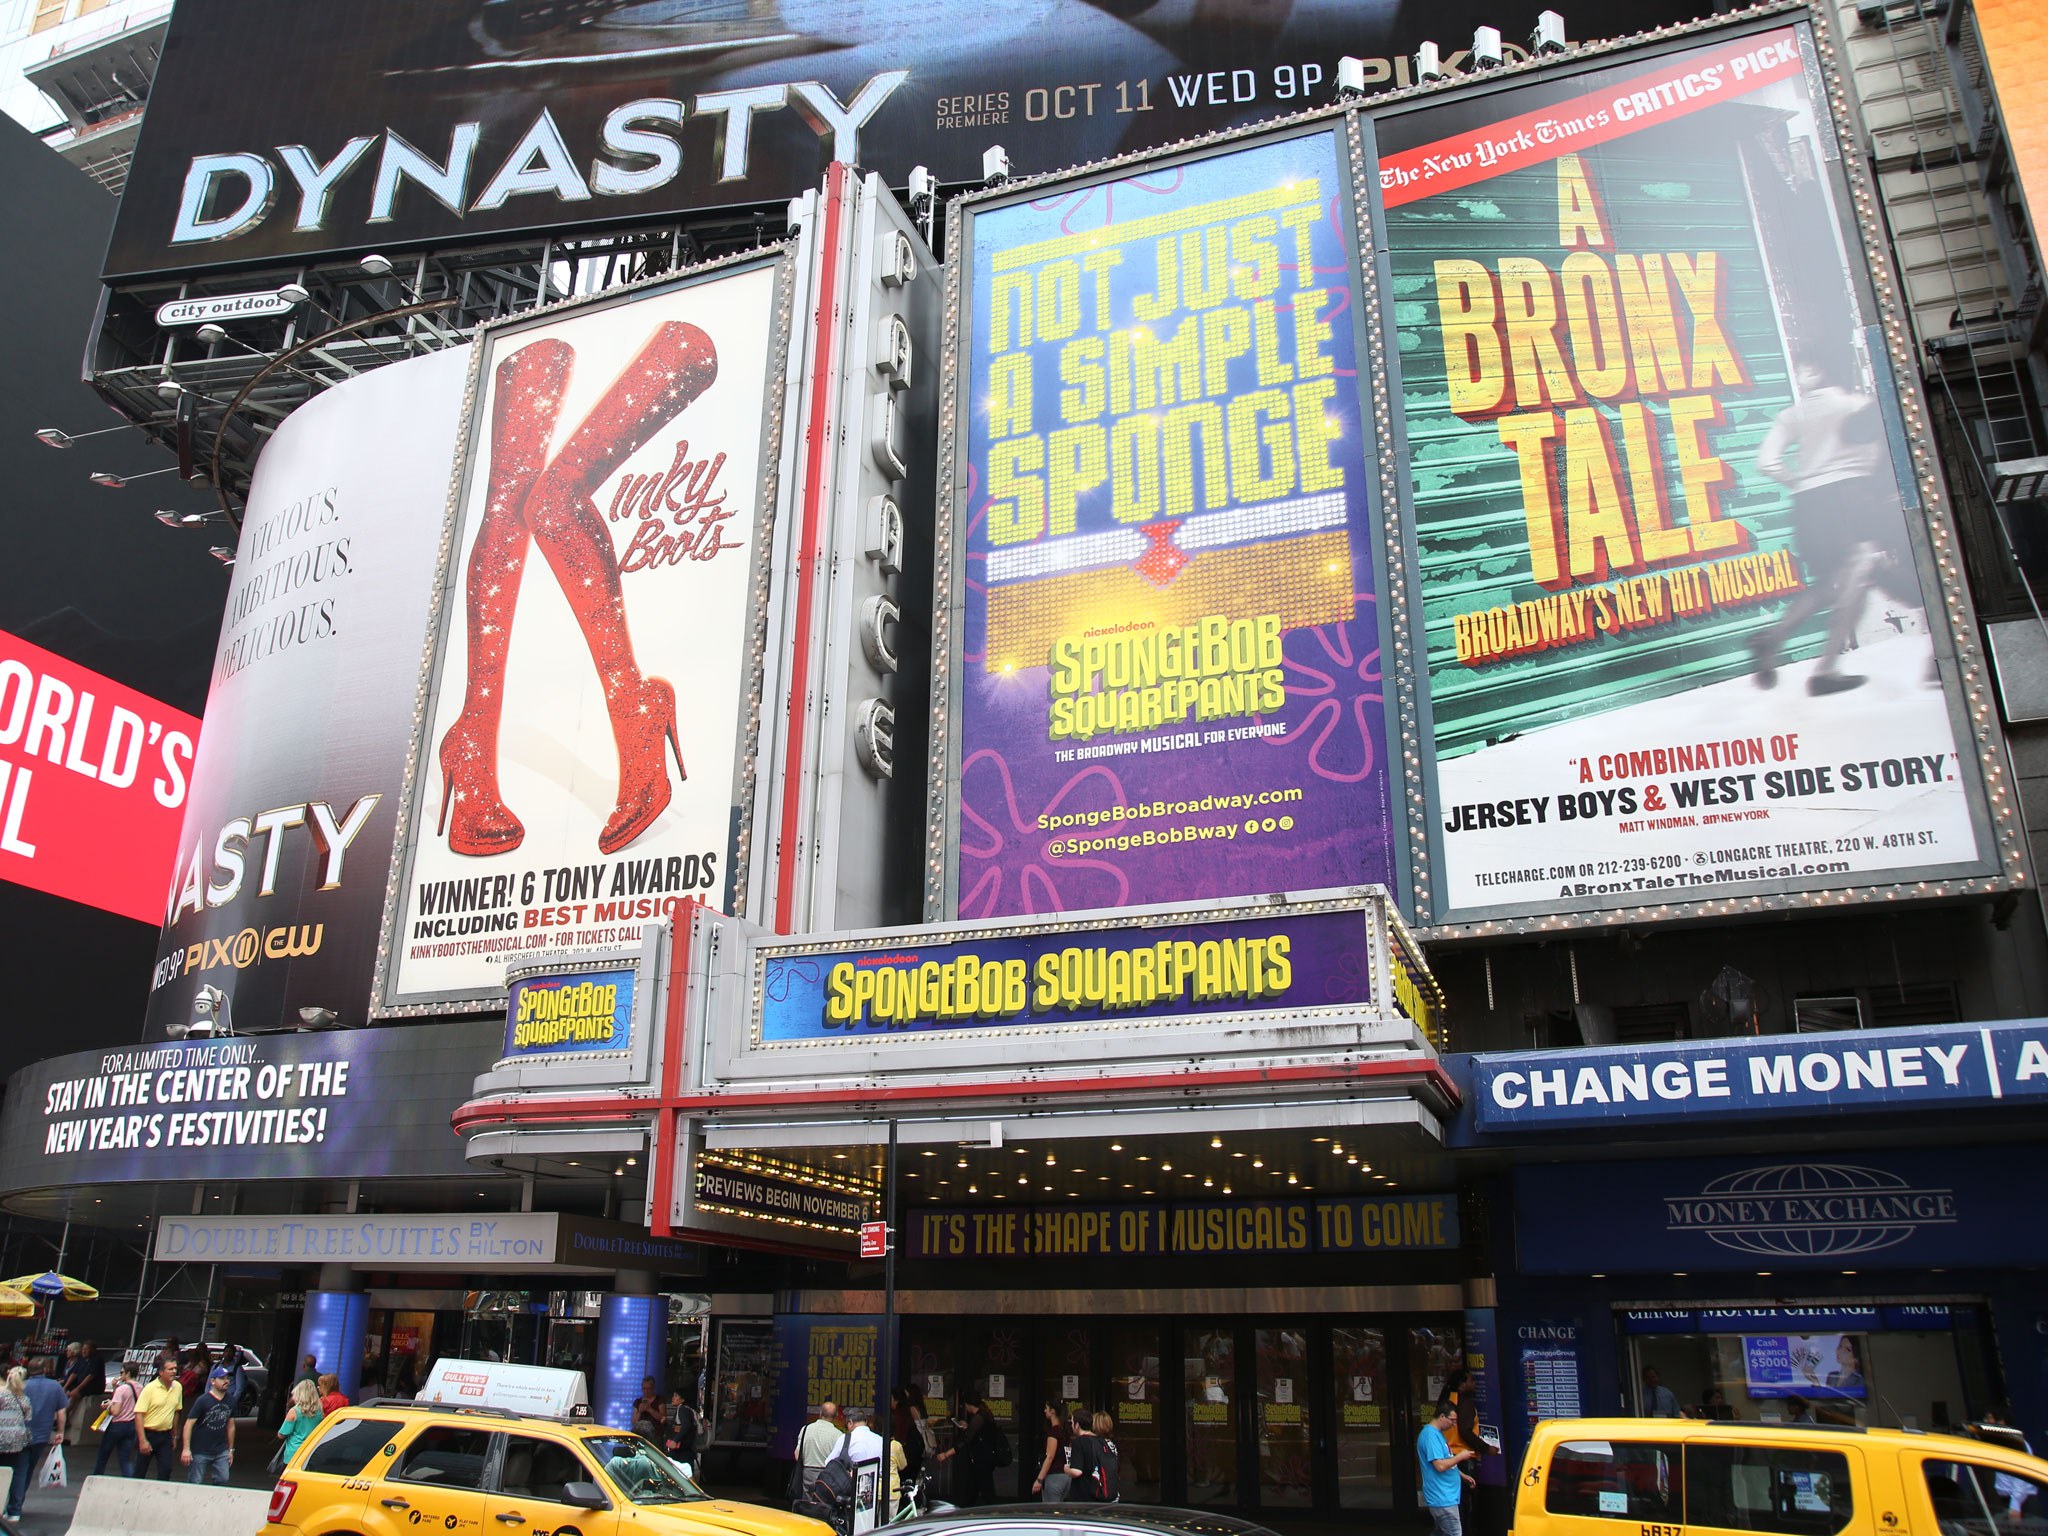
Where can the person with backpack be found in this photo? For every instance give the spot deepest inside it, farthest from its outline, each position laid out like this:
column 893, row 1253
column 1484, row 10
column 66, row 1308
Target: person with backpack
column 828, row 1496
column 1109, row 1461
column 679, row 1430
column 815, row 1446
column 1084, row 1461
column 981, row 1449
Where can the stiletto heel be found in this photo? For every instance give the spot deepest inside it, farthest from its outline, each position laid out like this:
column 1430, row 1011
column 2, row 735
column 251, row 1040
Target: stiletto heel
column 645, row 734
column 474, row 819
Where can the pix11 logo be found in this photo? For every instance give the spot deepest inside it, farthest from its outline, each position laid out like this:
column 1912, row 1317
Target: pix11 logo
column 1809, row 1210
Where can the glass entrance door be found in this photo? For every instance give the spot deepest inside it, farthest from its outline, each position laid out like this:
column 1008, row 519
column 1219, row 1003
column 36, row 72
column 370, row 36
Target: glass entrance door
column 1360, row 1428
column 1066, row 1374
column 1282, row 1441
column 1209, row 1412
column 1135, row 1405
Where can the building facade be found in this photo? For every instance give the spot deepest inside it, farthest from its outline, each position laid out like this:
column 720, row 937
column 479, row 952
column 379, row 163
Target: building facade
column 1366, row 736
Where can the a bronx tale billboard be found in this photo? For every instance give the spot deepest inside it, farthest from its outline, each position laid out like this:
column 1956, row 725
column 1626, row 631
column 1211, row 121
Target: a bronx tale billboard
column 280, row 131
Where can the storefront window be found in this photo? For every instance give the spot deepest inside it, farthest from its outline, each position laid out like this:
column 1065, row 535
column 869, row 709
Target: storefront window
column 740, row 1409
column 1905, row 1366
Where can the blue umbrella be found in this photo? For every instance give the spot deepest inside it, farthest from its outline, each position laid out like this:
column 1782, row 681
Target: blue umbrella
column 50, row 1285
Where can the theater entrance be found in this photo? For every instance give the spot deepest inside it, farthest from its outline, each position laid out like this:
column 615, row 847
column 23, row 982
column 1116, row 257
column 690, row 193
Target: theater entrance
column 1249, row 1414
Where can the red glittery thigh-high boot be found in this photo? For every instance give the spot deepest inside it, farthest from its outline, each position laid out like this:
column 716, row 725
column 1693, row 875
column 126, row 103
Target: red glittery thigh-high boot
column 529, row 396
column 674, row 368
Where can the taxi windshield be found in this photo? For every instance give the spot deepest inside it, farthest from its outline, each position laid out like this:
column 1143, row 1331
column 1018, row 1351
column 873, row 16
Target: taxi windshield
column 641, row 1472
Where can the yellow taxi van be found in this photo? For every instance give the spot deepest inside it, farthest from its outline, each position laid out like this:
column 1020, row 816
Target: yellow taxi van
column 1664, row 1477
column 404, row 1469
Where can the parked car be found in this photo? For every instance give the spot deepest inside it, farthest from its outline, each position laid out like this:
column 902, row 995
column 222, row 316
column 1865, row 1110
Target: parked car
column 255, row 1375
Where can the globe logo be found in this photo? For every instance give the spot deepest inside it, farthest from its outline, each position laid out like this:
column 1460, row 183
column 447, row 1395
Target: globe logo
column 1809, row 1210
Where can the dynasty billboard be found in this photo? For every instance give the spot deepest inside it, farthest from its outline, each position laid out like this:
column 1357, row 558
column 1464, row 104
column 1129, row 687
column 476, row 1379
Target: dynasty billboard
column 284, row 859
column 1683, row 633
column 1161, row 533
column 279, row 131
column 584, row 753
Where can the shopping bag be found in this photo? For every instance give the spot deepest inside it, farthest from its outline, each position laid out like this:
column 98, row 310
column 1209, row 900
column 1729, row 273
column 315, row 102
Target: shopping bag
column 54, row 1473
column 105, row 1416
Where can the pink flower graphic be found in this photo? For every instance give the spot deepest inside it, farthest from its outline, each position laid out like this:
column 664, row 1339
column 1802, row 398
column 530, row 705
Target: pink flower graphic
column 998, row 835
column 1336, row 669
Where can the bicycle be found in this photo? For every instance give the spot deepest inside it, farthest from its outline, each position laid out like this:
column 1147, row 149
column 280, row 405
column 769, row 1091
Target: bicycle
column 912, row 1502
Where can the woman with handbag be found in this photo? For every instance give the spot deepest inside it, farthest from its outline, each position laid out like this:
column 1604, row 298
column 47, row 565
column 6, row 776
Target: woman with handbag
column 305, row 1414
column 118, row 1436
column 15, row 1451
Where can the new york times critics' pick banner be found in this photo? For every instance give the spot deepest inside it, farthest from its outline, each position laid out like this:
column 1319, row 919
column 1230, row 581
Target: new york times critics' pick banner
column 1170, row 680
column 1652, row 469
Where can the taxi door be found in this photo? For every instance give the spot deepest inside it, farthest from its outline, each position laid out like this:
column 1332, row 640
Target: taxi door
column 1603, row 1486
column 434, row 1483
column 1803, row 1488
column 529, row 1496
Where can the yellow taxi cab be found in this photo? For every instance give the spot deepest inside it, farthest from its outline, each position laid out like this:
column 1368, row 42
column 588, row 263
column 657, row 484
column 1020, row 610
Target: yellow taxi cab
column 404, row 1469
column 1687, row 1477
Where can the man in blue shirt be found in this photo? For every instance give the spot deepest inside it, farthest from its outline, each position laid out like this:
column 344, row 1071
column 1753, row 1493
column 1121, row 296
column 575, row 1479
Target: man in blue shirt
column 1441, row 1486
column 46, row 1404
column 210, row 1430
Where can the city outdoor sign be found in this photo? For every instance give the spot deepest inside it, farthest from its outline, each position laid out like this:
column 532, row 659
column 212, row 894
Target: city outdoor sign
column 230, row 306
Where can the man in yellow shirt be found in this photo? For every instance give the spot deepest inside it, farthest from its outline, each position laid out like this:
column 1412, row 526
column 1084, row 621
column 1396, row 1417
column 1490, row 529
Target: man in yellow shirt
column 156, row 1421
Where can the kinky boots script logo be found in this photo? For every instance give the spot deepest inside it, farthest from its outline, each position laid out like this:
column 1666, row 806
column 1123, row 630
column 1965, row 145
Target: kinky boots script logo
column 1809, row 1210
column 679, row 513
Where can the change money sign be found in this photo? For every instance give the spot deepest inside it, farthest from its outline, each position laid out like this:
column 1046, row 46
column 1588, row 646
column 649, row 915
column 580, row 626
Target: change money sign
column 1170, row 680
column 1677, row 639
